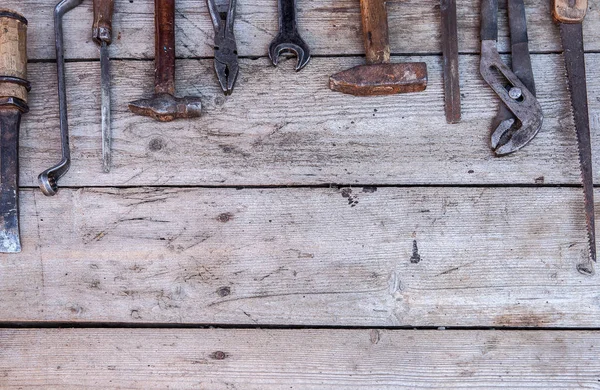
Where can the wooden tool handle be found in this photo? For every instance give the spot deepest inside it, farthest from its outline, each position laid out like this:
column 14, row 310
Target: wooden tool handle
column 375, row 31
column 569, row 11
column 13, row 55
column 102, row 27
column 164, row 46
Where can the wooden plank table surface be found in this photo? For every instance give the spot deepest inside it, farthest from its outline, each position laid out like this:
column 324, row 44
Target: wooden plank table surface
column 294, row 237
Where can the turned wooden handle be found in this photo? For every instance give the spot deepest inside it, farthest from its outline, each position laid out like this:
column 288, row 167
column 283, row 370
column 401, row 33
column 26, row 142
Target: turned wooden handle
column 569, row 11
column 102, row 27
column 375, row 31
column 13, row 55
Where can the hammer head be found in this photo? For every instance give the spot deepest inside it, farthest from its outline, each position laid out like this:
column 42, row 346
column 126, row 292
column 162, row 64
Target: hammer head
column 165, row 107
column 381, row 79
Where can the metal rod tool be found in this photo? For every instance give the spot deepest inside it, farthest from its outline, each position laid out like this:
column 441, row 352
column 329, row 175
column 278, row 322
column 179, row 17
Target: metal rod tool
column 48, row 180
column 526, row 120
column 102, row 35
column 13, row 103
column 226, row 54
column 379, row 76
column 288, row 39
column 450, row 53
column 163, row 105
column 570, row 14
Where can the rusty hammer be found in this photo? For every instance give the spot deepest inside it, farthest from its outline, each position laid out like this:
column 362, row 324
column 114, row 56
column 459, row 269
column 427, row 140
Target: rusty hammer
column 379, row 76
column 163, row 105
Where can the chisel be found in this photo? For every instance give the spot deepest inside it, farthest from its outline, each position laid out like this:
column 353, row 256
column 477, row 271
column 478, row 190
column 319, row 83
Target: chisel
column 450, row 53
column 13, row 102
column 569, row 14
column 102, row 35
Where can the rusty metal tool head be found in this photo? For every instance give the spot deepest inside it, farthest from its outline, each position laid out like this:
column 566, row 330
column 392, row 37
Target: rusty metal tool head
column 13, row 102
column 570, row 15
column 48, row 180
column 102, row 35
column 226, row 54
column 527, row 116
column 288, row 40
column 163, row 105
column 379, row 76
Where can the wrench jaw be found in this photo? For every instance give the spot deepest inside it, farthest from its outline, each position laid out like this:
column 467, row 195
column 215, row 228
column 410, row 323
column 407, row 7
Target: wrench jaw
column 48, row 180
column 296, row 45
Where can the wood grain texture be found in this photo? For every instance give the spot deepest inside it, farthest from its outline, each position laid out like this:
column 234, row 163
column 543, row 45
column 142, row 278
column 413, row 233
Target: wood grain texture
column 266, row 359
column 330, row 27
column 267, row 133
column 350, row 256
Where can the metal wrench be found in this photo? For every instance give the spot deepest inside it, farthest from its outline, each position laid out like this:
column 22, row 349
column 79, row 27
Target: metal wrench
column 288, row 39
column 49, row 178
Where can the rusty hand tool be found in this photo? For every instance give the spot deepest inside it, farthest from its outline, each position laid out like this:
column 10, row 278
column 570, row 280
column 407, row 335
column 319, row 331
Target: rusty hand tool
column 102, row 35
column 379, row 76
column 514, row 133
column 226, row 54
column 163, row 105
column 48, row 180
column 450, row 53
column 507, row 137
column 13, row 102
column 288, row 39
column 570, row 14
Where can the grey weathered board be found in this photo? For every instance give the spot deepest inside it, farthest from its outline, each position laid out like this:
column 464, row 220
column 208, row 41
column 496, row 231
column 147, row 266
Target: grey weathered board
column 435, row 231
column 267, row 359
column 483, row 257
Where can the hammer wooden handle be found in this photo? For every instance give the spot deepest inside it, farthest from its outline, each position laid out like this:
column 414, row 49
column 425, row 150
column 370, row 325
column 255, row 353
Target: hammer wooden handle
column 102, row 27
column 13, row 55
column 569, row 11
column 164, row 46
column 375, row 31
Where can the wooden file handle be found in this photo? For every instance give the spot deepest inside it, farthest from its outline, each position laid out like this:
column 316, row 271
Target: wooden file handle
column 375, row 31
column 13, row 55
column 569, row 11
column 102, row 27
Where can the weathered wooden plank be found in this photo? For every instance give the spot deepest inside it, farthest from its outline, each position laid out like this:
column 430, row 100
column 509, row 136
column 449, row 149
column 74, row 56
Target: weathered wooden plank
column 331, row 27
column 360, row 256
column 281, row 128
column 297, row 359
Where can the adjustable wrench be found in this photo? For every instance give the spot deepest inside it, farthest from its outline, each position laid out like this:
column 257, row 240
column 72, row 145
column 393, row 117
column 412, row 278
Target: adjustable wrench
column 288, row 39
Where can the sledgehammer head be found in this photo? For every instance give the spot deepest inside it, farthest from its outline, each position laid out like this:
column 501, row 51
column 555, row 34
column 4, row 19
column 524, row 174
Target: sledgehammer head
column 381, row 79
column 165, row 107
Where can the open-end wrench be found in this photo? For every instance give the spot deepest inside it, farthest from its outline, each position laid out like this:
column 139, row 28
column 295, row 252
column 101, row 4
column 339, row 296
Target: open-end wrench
column 49, row 178
column 288, row 39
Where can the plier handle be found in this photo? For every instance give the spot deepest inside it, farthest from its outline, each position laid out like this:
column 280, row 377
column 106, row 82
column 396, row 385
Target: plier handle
column 226, row 54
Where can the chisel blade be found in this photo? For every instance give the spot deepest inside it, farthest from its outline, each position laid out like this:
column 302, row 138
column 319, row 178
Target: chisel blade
column 105, row 87
column 10, row 119
column 572, row 40
column 450, row 53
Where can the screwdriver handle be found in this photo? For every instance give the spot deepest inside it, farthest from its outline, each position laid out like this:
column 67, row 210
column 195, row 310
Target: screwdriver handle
column 569, row 11
column 102, row 28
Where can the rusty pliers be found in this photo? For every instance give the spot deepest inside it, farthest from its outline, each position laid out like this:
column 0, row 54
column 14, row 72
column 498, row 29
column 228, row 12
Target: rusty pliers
column 520, row 114
column 226, row 55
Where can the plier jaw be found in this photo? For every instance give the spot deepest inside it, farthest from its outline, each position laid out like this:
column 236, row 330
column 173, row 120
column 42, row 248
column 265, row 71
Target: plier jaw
column 226, row 62
column 226, row 55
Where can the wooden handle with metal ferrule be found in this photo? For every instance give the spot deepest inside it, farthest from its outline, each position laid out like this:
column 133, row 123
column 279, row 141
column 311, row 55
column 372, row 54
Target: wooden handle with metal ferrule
column 13, row 56
column 569, row 11
column 102, row 27
column 375, row 31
